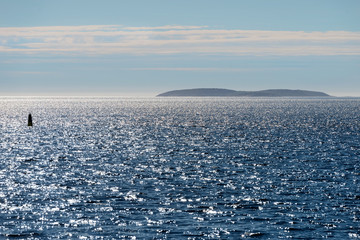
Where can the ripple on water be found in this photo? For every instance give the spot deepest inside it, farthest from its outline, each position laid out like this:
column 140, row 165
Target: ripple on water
column 96, row 168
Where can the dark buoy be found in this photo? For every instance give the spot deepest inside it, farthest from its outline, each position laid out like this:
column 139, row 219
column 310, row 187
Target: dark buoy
column 30, row 121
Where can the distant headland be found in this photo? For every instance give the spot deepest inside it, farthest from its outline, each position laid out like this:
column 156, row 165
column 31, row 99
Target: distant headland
column 219, row 92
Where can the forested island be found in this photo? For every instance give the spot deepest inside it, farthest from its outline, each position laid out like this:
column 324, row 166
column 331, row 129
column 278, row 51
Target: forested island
column 219, row 92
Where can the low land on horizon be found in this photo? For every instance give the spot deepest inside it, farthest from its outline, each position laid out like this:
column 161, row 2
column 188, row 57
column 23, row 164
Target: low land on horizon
column 219, row 92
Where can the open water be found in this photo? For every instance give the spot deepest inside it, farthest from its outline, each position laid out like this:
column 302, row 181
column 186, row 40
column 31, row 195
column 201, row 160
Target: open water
column 180, row 168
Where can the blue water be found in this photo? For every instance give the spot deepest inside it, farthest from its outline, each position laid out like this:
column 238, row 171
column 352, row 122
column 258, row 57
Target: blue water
column 167, row 168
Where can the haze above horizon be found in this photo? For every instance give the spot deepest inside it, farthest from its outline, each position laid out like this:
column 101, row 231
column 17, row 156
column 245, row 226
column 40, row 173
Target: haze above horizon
column 143, row 48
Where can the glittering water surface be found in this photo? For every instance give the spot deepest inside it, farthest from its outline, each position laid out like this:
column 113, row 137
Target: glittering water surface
column 163, row 168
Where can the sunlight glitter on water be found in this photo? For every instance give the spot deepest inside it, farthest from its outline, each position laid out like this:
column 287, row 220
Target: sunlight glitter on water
column 193, row 168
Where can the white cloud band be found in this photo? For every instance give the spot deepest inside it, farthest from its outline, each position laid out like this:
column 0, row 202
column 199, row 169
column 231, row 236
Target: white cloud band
column 116, row 39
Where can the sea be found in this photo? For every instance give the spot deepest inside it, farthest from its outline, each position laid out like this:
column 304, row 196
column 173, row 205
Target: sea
column 179, row 168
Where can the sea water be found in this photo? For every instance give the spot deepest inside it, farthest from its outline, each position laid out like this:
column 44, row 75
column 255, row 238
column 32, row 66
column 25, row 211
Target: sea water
column 180, row 168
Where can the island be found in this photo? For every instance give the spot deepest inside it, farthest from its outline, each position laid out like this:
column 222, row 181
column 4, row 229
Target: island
column 220, row 92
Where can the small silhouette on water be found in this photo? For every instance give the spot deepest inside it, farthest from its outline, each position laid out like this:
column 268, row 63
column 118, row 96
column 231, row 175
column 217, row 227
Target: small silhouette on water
column 30, row 120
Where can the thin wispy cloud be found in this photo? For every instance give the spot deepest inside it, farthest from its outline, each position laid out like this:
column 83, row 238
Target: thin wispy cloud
column 24, row 73
column 204, row 69
column 167, row 27
column 116, row 39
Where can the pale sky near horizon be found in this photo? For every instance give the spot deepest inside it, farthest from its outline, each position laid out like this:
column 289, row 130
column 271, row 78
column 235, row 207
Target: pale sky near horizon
column 142, row 47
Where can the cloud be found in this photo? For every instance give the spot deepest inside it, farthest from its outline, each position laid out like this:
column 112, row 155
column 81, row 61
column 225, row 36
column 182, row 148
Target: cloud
column 116, row 39
column 205, row 69
column 167, row 27
column 24, row 73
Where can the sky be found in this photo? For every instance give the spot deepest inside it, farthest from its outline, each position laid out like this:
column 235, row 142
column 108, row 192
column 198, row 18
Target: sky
column 143, row 48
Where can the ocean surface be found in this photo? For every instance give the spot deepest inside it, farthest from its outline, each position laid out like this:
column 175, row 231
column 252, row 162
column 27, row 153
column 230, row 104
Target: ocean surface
column 180, row 168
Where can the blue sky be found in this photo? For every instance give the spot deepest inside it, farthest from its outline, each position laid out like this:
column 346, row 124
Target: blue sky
column 142, row 48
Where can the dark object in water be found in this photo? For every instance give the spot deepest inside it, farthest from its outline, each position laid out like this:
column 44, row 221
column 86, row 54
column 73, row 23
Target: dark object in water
column 30, row 120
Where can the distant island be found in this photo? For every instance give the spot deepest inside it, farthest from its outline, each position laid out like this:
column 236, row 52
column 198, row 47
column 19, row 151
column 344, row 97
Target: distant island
column 219, row 92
